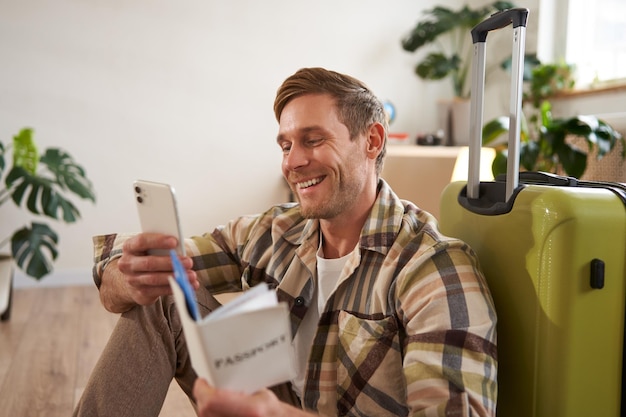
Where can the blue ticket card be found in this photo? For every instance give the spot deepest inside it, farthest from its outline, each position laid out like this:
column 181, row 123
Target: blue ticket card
column 181, row 279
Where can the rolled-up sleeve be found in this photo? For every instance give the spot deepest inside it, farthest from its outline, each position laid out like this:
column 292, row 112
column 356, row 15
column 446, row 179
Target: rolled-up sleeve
column 106, row 248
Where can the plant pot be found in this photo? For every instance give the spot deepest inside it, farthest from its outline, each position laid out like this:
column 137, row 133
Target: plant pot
column 6, row 286
column 454, row 119
column 444, row 125
column 460, row 121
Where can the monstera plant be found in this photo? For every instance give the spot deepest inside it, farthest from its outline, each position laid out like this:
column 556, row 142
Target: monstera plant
column 41, row 185
column 447, row 32
column 442, row 37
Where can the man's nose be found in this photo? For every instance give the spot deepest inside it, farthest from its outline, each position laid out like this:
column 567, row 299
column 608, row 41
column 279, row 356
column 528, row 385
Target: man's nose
column 296, row 158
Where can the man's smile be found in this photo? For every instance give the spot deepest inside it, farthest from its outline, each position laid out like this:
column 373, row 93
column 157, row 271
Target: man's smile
column 309, row 183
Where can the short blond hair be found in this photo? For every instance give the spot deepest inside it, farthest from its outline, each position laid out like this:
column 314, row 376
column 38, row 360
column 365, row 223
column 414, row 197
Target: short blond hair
column 357, row 106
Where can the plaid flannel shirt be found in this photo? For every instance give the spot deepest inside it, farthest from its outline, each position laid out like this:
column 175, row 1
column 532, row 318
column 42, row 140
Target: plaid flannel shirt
column 409, row 330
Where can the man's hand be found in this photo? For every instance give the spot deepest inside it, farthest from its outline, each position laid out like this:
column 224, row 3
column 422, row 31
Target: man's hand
column 138, row 277
column 213, row 402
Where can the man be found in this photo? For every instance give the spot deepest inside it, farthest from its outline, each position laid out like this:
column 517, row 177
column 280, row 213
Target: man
column 389, row 316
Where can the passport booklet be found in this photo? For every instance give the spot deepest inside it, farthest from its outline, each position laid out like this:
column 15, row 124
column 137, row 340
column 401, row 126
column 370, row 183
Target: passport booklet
column 244, row 345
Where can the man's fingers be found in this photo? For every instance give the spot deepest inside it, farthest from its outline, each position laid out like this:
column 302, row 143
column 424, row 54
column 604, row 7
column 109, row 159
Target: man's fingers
column 141, row 243
column 145, row 295
column 147, row 280
column 138, row 264
column 146, row 275
column 201, row 386
column 203, row 393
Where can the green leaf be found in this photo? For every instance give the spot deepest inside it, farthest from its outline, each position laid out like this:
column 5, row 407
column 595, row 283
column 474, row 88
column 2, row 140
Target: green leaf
column 606, row 138
column 468, row 18
column 494, row 129
column 2, row 161
column 573, row 161
column 499, row 163
column 34, row 249
column 530, row 62
column 25, row 152
column 580, row 125
column 41, row 197
column 68, row 174
column 552, row 139
column 437, row 66
column 434, row 23
column 595, row 131
column 546, row 113
column 529, row 154
column 502, row 5
column 438, row 23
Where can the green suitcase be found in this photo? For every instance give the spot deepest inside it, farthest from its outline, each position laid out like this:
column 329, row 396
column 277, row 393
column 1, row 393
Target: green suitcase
column 553, row 251
column 555, row 265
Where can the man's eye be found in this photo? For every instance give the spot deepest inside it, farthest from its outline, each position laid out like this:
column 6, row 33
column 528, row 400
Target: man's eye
column 314, row 141
column 285, row 148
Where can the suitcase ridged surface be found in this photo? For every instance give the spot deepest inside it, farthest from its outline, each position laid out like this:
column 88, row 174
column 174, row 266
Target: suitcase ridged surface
column 559, row 340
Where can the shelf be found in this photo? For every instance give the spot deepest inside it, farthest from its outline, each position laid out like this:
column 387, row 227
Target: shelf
column 420, row 173
column 423, row 151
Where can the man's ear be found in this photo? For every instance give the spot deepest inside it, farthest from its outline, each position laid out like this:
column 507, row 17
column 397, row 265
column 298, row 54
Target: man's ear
column 375, row 140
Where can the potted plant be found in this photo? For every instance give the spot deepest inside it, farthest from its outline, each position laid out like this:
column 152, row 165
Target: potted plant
column 448, row 31
column 545, row 144
column 39, row 184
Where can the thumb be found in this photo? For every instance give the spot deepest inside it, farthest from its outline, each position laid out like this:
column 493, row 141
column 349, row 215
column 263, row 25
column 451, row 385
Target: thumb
column 202, row 389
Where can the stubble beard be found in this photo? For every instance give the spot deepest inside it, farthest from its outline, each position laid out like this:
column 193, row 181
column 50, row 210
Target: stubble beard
column 343, row 196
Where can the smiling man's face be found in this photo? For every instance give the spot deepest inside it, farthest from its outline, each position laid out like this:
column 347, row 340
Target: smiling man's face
column 326, row 171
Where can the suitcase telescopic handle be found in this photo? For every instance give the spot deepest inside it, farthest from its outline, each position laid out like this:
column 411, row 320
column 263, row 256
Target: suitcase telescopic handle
column 515, row 17
column 518, row 18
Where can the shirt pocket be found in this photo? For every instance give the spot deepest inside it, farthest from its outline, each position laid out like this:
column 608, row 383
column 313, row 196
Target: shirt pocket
column 370, row 376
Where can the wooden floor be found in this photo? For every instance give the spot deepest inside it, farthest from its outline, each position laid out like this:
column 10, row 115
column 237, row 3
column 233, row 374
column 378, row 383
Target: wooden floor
column 49, row 347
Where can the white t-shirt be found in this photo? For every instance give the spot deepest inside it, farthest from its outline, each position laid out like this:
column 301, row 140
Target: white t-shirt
column 328, row 271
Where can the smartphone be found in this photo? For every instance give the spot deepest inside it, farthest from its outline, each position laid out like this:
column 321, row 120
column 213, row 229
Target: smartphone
column 158, row 213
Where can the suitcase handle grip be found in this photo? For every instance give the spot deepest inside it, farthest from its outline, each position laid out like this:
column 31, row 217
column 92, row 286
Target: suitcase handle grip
column 498, row 20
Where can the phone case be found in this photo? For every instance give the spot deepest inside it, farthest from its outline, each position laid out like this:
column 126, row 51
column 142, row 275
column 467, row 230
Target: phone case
column 157, row 209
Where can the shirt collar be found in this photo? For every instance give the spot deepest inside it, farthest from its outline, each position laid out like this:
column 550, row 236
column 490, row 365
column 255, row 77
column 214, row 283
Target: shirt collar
column 380, row 228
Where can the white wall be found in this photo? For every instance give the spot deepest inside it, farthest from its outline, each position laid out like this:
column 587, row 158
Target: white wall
column 182, row 92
